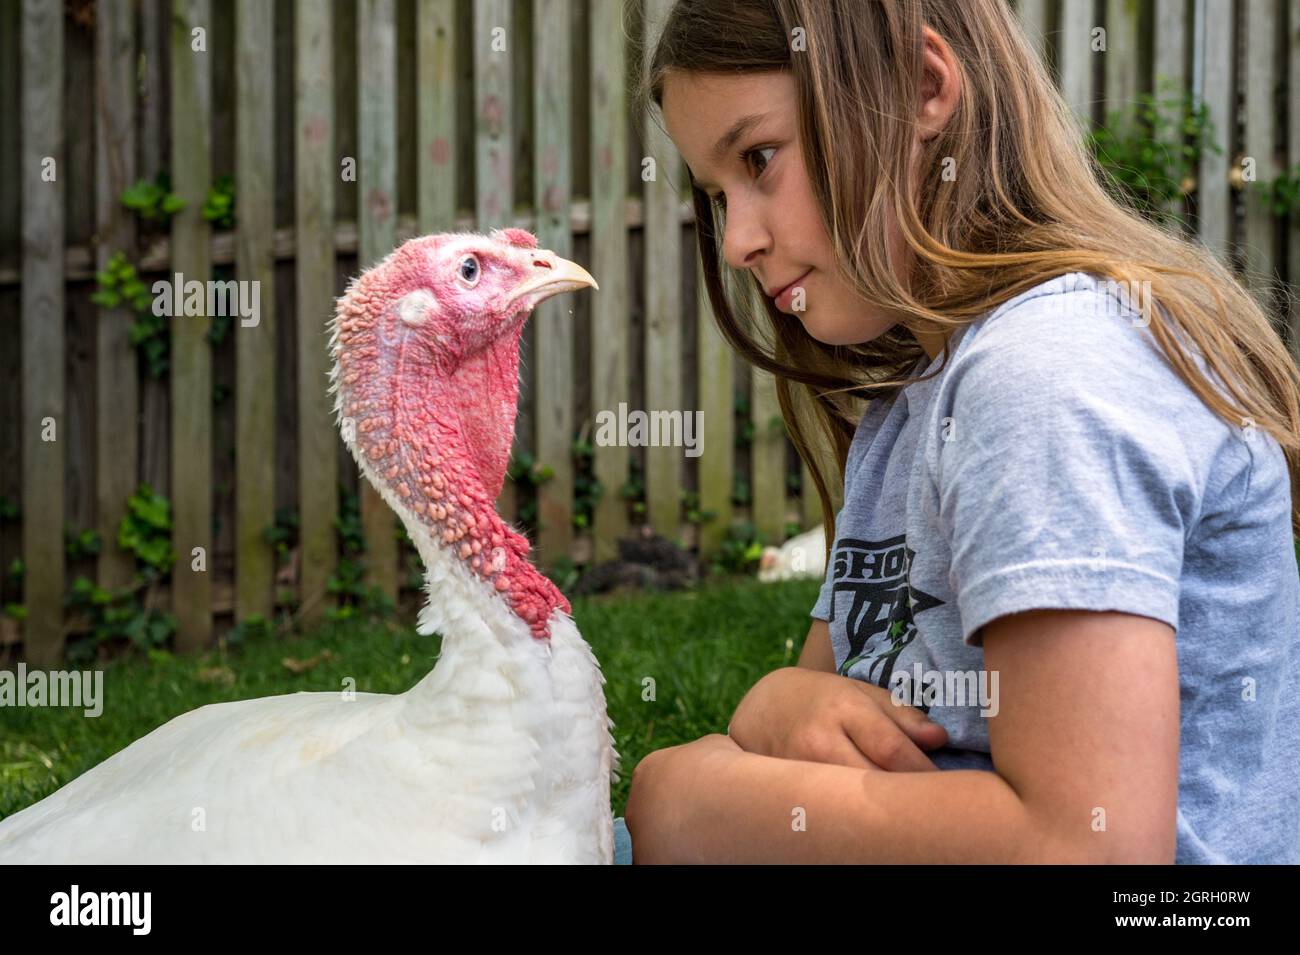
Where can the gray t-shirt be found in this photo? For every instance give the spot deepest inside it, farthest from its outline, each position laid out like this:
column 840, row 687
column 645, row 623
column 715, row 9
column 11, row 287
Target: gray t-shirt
column 1057, row 461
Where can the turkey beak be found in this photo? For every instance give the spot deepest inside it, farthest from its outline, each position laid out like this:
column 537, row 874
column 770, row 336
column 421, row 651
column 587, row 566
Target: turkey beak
column 549, row 276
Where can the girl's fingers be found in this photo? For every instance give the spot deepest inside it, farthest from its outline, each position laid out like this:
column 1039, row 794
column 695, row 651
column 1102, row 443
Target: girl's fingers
column 882, row 741
column 922, row 731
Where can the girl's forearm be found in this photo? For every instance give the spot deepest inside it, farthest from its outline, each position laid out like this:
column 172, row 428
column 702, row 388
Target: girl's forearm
column 746, row 808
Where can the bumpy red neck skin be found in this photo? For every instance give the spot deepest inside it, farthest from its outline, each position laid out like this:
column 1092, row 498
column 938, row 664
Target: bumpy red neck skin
column 440, row 439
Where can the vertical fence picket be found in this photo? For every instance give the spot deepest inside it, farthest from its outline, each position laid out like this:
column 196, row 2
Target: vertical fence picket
column 154, row 154
column 117, row 395
column 1293, row 163
column 553, row 319
column 1259, row 148
column 436, row 67
column 608, row 370
column 1123, row 59
column 377, row 228
column 1218, row 88
column 12, row 378
column 767, row 458
column 254, row 344
column 44, row 422
column 1169, row 61
column 191, row 362
column 1074, row 50
column 716, row 372
column 810, row 510
column 1035, row 15
column 663, row 310
column 316, row 168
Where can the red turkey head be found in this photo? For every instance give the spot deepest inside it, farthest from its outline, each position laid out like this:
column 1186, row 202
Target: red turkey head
column 426, row 367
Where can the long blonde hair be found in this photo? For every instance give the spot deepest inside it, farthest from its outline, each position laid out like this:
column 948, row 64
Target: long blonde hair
column 1027, row 205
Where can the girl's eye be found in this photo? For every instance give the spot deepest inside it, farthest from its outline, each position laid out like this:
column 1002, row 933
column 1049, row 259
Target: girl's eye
column 469, row 270
column 720, row 201
column 759, row 152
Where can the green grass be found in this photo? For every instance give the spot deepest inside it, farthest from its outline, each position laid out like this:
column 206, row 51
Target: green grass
column 703, row 650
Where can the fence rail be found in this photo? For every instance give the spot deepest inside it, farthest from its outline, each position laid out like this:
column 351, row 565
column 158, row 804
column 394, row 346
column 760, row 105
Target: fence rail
column 452, row 115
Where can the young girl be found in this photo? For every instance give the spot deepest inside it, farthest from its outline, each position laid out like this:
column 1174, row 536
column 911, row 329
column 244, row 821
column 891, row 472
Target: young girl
column 1067, row 534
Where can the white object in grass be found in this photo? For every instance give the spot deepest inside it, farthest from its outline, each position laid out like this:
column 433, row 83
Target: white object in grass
column 802, row 556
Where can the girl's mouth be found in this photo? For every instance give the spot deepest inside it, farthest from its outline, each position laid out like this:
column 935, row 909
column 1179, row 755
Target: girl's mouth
column 783, row 298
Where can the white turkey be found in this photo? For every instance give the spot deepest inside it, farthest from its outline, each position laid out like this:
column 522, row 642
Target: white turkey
column 799, row 557
column 503, row 752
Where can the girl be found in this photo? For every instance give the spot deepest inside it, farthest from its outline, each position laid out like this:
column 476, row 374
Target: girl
column 1067, row 535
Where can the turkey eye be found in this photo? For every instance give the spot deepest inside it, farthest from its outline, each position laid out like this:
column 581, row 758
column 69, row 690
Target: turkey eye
column 469, row 270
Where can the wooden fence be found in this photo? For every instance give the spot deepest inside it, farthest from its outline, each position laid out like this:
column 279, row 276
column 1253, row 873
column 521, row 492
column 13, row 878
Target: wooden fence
column 458, row 114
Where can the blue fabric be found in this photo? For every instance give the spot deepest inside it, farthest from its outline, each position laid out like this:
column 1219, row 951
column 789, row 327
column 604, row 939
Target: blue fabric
column 622, row 842
column 1058, row 461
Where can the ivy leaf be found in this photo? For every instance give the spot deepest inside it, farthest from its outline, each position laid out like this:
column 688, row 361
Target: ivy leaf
column 152, row 509
column 141, row 196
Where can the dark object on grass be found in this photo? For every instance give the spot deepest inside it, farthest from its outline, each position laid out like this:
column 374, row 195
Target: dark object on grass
column 646, row 561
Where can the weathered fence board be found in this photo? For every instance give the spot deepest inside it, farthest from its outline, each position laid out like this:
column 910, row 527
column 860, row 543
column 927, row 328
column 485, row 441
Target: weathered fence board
column 191, row 360
column 1075, row 57
column 1214, row 195
column 553, row 320
column 255, row 345
column 1169, row 58
column 44, row 423
column 715, row 372
column 663, row 303
column 436, row 115
column 117, row 391
column 608, row 371
column 767, row 457
column 316, row 170
column 376, row 221
column 1293, row 162
column 1036, row 17
column 1124, row 59
column 1259, row 146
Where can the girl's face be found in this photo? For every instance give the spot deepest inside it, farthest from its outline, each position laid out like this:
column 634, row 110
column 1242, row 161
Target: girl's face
column 739, row 136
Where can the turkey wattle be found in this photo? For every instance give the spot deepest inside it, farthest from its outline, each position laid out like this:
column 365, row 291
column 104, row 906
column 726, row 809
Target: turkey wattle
column 503, row 752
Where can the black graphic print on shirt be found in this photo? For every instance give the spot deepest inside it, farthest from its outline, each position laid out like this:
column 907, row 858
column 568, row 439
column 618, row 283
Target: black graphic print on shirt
column 873, row 577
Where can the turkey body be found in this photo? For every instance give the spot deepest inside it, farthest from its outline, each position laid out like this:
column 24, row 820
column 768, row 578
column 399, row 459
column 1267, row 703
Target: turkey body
column 500, row 754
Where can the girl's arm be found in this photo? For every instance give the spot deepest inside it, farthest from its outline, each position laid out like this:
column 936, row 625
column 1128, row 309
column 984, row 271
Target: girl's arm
column 1085, row 741
column 817, row 653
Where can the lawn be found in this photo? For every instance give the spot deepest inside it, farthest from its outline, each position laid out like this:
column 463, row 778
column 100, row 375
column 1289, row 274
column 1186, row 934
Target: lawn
column 703, row 649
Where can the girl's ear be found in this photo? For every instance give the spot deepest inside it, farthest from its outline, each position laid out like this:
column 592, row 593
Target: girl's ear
column 940, row 86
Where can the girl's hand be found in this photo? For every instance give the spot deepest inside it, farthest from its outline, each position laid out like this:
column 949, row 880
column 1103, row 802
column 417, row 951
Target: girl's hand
column 798, row 713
